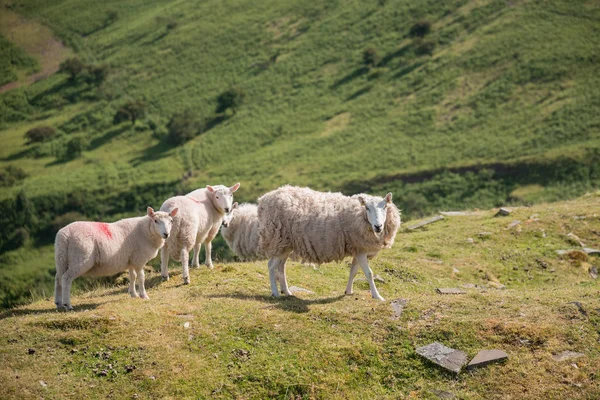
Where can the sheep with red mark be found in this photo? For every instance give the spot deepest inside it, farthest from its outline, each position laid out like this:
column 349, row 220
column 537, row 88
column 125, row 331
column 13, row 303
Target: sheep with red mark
column 103, row 249
column 198, row 221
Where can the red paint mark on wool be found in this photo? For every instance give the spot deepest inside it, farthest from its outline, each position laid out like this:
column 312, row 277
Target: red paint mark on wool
column 104, row 228
column 193, row 199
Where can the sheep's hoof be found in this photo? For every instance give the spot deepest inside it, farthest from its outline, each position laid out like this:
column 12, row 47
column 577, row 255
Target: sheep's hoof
column 67, row 307
column 145, row 297
column 348, row 293
column 133, row 295
column 165, row 278
column 210, row 266
column 186, row 281
column 379, row 298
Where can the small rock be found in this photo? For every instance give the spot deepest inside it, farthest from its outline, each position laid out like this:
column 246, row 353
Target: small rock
column 74, row 351
column 443, row 394
column 580, row 308
column 446, row 357
column 152, row 377
column 513, row 224
column 426, row 222
column 30, row 351
column 43, row 384
column 593, row 272
column 496, row 285
column 562, row 252
column 541, row 263
column 103, row 373
column 468, row 285
column 398, row 306
column 591, row 251
column 129, row 368
column 567, row 355
column 186, row 325
column 299, row 289
column 574, row 239
column 470, row 240
column 455, row 271
column 485, row 357
column 574, row 366
column 503, row 212
column 450, row 291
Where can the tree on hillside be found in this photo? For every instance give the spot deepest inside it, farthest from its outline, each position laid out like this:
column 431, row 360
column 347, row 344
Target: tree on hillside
column 183, row 127
column 230, row 99
column 370, row 58
column 40, row 134
column 130, row 111
column 73, row 67
column 420, row 28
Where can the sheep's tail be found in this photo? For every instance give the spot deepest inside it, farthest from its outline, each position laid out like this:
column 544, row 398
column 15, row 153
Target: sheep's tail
column 61, row 251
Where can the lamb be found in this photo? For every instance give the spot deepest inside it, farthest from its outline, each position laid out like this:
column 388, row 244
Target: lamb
column 198, row 221
column 323, row 227
column 240, row 231
column 103, row 249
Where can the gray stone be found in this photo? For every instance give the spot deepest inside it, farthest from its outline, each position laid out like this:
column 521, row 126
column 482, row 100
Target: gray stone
column 485, row 357
column 442, row 394
column 299, row 289
column 470, row 240
column 455, row 270
column 567, row 355
column 580, row 308
column 593, row 272
column 426, row 222
column 503, row 212
column 469, row 285
column 458, row 213
column 450, row 291
column 446, row 357
column 513, row 224
column 398, row 306
column 591, row 251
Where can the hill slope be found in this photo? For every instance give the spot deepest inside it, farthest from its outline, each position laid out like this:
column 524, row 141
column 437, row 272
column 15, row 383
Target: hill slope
column 497, row 104
column 224, row 336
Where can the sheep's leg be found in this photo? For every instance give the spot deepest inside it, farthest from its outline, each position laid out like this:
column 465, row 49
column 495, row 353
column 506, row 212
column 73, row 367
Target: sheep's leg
column 362, row 259
column 283, row 278
column 185, row 256
column 196, row 262
column 142, row 283
column 207, row 250
column 164, row 264
column 58, row 290
column 273, row 277
column 353, row 271
column 132, row 277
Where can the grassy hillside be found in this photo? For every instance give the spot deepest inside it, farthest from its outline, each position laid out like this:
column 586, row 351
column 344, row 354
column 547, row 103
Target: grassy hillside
column 496, row 104
column 239, row 342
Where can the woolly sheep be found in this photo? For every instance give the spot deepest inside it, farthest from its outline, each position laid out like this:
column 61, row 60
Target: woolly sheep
column 198, row 221
column 323, row 227
column 103, row 249
column 240, row 231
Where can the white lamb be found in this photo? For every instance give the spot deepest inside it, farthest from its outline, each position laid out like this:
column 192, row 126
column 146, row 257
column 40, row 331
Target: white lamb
column 240, row 231
column 323, row 227
column 102, row 249
column 198, row 220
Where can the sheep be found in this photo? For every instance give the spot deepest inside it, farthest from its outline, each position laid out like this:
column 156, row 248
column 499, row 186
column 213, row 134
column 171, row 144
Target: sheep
column 323, row 227
column 198, row 221
column 103, row 249
column 240, row 231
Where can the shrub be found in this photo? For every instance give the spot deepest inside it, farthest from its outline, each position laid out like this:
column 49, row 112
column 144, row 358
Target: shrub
column 40, row 134
column 183, row 127
column 95, row 74
column 230, row 99
column 11, row 175
column 420, row 28
column 111, row 17
column 89, row 73
column 76, row 146
column 424, row 46
column 370, row 57
column 73, row 67
column 172, row 24
column 130, row 111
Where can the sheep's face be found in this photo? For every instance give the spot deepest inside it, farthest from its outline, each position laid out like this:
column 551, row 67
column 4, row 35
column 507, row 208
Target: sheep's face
column 163, row 221
column 222, row 196
column 376, row 209
column 229, row 216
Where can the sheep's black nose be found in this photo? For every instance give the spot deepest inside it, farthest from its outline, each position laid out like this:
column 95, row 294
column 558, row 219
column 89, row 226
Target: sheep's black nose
column 166, row 235
column 227, row 210
column 377, row 228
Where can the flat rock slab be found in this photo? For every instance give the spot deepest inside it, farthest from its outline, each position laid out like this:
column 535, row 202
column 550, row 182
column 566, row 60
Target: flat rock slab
column 593, row 272
column 299, row 289
column 450, row 291
column 513, row 224
column 426, row 222
column 446, row 357
column 591, row 251
column 567, row 355
column 398, row 306
column 503, row 212
column 485, row 357
column 442, row 394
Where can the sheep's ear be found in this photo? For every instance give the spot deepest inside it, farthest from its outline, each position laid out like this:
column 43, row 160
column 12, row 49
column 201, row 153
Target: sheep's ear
column 210, row 188
column 234, row 206
column 173, row 212
column 234, row 187
column 388, row 197
column 362, row 200
column 150, row 212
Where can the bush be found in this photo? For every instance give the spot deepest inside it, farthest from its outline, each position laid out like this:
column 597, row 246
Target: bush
column 420, row 29
column 76, row 146
column 370, row 57
column 424, row 46
column 40, row 134
column 11, row 175
column 130, row 111
column 230, row 99
column 183, row 127
column 89, row 73
column 73, row 67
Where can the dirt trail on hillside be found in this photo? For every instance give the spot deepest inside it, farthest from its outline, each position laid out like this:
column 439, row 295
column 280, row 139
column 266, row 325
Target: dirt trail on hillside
column 37, row 40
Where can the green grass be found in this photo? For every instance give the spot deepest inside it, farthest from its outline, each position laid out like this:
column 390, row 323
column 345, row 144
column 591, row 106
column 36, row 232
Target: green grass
column 507, row 102
column 241, row 343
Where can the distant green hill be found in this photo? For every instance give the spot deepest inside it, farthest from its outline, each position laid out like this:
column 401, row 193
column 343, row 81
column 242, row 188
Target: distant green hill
column 498, row 103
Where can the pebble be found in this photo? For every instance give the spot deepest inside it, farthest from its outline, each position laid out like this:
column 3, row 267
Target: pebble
column 567, row 355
